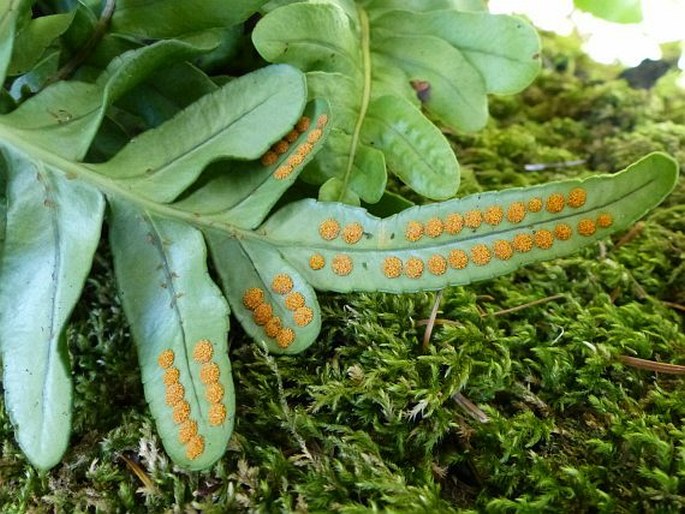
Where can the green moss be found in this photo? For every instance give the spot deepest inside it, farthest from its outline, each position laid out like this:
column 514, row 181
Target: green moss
column 366, row 420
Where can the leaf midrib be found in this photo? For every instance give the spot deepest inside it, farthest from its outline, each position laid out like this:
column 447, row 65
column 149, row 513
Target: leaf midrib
column 53, row 338
column 110, row 187
column 441, row 243
column 171, row 289
column 210, row 139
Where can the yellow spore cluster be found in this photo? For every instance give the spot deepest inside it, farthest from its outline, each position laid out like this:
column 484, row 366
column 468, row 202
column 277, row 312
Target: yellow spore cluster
column 180, row 409
column 493, row 215
column 473, row 219
column 577, row 197
column 392, row 267
column 342, row 265
column 210, row 374
column 437, row 264
column 480, row 254
column 516, row 212
column 413, row 268
column 329, row 229
column 555, row 203
column 298, row 156
column 434, row 227
column 502, row 250
column 263, row 314
column 294, row 301
column 413, row 231
column 352, row 233
column 317, row 262
column 282, row 283
column 203, row 351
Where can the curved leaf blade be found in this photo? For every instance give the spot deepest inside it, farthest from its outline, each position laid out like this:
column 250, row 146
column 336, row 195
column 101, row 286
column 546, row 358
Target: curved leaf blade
column 53, row 227
column 239, row 121
column 9, row 13
column 351, row 52
column 412, row 147
column 66, row 115
column 177, row 315
column 456, row 94
column 464, row 240
column 272, row 301
column 242, row 193
column 619, row 11
column 32, row 42
column 490, row 44
column 173, row 18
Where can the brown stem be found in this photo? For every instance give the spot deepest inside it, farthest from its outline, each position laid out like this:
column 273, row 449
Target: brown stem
column 77, row 59
column 431, row 320
column 470, row 407
column 660, row 367
column 524, row 306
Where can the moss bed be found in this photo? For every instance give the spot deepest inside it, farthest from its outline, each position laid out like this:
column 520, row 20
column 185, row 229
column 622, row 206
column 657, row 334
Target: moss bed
column 524, row 398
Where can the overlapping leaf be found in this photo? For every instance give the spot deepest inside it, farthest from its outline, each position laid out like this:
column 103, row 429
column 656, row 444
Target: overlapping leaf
column 173, row 18
column 54, row 213
column 10, row 11
column 65, row 116
column 379, row 63
column 214, row 171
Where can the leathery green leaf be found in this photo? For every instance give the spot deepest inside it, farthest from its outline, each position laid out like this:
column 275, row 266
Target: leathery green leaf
column 272, row 301
column 239, row 121
column 35, row 38
column 173, row 18
column 619, row 11
column 242, row 193
column 463, row 240
column 425, row 5
column 491, row 44
column 66, row 115
column 410, row 143
column 52, row 231
column 10, row 11
column 179, row 321
column 429, row 55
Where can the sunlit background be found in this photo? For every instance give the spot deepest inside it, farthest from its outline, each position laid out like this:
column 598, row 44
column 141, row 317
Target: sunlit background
column 606, row 42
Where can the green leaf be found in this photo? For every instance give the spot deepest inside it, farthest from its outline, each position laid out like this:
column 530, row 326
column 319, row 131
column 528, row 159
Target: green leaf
column 241, row 194
column 173, row 18
column 66, row 116
column 464, row 240
column 36, row 79
column 441, row 59
column 176, row 310
column 491, row 44
column 33, row 40
column 272, row 301
column 166, row 92
column 53, row 227
column 239, row 121
column 53, row 223
column 10, row 10
column 409, row 142
column 619, row 11
column 425, row 5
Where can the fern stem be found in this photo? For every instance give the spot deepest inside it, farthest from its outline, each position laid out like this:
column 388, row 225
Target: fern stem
column 366, row 96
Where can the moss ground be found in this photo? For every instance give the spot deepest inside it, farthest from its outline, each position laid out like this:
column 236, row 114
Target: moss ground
column 511, row 407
